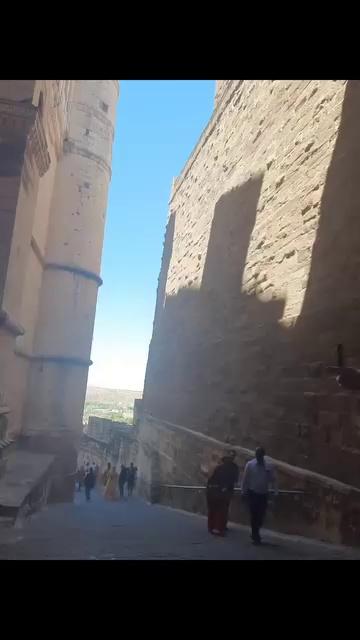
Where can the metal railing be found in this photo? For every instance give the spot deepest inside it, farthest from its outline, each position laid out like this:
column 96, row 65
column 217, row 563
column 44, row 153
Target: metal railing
column 236, row 489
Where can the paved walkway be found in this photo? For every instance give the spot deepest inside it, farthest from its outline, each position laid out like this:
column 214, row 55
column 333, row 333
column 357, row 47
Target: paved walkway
column 135, row 530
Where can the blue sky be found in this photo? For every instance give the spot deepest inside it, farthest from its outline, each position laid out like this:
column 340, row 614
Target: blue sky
column 158, row 124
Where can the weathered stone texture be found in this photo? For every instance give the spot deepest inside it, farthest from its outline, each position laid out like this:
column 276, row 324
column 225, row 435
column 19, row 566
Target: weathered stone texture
column 173, row 455
column 259, row 274
column 106, row 441
column 220, row 89
column 55, row 166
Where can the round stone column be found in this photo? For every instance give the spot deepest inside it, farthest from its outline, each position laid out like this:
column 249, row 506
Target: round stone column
column 61, row 357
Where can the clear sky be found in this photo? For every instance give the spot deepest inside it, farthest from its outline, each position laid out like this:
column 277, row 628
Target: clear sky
column 158, row 124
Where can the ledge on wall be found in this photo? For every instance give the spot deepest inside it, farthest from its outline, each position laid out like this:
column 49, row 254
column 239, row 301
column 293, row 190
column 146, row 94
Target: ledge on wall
column 7, row 323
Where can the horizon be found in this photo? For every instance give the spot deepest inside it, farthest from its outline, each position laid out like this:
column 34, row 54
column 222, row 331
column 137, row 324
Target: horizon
column 158, row 124
column 97, row 386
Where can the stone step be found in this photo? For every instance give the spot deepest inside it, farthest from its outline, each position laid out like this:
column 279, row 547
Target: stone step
column 24, row 476
column 6, row 445
column 6, row 522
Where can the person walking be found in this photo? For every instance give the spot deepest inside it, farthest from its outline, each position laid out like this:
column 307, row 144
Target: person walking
column 96, row 473
column 131, row 479
column 105, row 475
column 258, row 476
column 111, row 485
column 219, row 491
column 123, row 478
column 80, row 477
column 89, row 483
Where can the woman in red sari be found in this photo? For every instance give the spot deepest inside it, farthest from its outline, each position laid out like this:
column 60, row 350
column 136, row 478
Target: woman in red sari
column 220, row 488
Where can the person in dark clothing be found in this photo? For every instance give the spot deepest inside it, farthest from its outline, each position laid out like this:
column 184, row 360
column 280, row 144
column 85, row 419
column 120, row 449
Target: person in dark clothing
column 123, row 476
column 220, row 488
column 80, row 476
column 131, row 480
column 89, row 483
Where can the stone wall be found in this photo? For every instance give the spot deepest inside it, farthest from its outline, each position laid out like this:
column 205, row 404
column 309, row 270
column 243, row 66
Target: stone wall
column 137, row 411
column 220, row 89
column 56, row 141
column 173, row 454
column 258, row 280
column 106, row 441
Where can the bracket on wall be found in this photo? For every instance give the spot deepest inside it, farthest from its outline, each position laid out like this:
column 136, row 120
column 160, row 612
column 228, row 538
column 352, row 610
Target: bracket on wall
column 347, row 377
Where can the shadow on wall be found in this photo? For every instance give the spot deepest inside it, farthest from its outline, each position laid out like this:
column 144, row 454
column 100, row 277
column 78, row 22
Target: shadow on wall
column 331, row 308
column 165, row 264
column 159, row 309
column 205, row 350
column 218, row 351
column 332, row 295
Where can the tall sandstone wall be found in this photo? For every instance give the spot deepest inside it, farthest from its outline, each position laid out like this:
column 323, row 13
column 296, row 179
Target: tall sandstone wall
column 259, row 284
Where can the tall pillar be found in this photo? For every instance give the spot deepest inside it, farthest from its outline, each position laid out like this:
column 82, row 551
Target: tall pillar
column 18, row 189
column 61, row 356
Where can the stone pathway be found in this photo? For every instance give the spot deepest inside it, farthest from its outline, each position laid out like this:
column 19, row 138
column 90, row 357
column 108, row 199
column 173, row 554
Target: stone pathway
column 135, row 530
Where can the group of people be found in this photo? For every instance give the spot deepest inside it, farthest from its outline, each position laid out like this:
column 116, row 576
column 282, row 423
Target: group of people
column 114, row 484
column 257, row 481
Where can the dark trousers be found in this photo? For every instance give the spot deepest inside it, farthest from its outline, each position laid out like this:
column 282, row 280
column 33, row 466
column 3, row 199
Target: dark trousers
column 257, row 503
column 130, row 488
column 87, row 492
column 121, row 489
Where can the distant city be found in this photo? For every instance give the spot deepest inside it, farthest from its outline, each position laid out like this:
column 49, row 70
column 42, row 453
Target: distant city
column 114, row 404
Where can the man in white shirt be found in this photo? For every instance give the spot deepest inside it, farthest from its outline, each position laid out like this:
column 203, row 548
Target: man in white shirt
column 257, row 478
